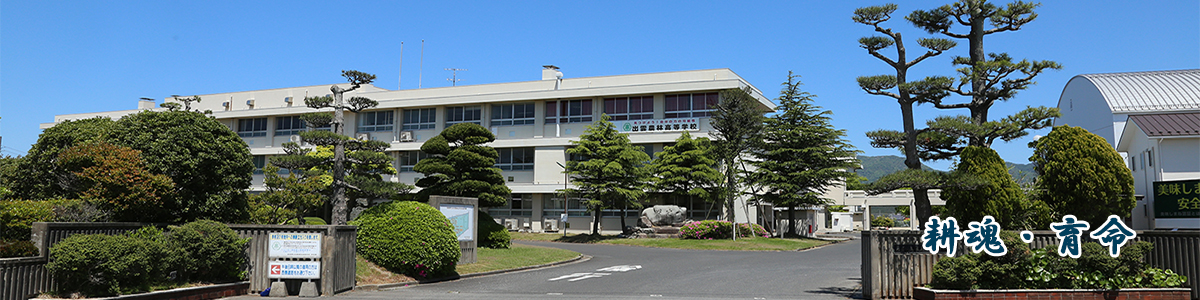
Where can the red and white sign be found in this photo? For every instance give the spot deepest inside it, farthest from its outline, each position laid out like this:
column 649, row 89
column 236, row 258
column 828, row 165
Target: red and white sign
column 294, row 269
column 276, row 270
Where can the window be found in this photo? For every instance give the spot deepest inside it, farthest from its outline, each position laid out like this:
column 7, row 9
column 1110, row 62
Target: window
column 252, row 127
column 289, row 125
column 518, row 205
column 260, row 161
column 464, row 114
column 409, row 159
column 572, row 111
column 515, row 159
column 556, row 206
column 1150, row 156
column 629, row 108
column 376, row 121
column 690, row 105
column 512, row 114
column 417, row 119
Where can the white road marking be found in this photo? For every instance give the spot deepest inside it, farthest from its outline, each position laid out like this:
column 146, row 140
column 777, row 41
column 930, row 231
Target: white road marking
column 621, row 268
column 579, row 276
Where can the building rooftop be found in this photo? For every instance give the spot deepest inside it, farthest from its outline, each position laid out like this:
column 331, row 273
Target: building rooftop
column 1149, row 91
column 1161, row 125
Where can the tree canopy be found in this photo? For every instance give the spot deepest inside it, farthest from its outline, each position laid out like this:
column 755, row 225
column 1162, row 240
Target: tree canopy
column 460, row 164
column 687, row 169
column 737, row 124
column 1079, row 173
column 614, row 173
column 115, row 179
column 999, row 196
column 801, row 155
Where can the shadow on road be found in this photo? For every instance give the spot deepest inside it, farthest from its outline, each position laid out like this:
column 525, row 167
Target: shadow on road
column 847, row 292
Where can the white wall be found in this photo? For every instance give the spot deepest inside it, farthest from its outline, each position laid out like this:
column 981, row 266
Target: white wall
column 1082, row 105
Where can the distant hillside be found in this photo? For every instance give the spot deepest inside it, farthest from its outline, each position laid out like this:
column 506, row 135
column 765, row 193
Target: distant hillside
column 875, row 167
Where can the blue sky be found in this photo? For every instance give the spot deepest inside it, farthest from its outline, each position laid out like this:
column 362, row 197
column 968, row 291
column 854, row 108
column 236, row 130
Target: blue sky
column 61, row 57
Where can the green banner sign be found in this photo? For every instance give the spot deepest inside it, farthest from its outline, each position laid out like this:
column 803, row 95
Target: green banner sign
column 1177, row 199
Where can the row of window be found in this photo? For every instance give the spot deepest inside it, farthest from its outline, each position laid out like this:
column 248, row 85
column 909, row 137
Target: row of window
column 565, row 111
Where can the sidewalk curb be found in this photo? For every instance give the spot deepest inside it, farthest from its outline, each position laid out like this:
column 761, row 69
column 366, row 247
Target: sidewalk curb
column 391, row 286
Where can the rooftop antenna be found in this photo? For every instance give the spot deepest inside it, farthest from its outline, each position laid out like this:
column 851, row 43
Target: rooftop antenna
column 399, row 75
column 454, row 80
column 421, row 68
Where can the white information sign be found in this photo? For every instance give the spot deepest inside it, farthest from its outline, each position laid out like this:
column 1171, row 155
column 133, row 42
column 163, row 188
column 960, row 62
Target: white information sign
column 658, row 125
column 295, row 245
column 294, row 269
column 460, row 216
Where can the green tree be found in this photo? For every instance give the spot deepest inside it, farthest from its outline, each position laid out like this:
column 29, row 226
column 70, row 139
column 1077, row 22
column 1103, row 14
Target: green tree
column 355, row 166
column 1080, row 174
column 1000, row 197
column 209, row 164
column 115, row 179
column 460, row 164
column 614, row 173
column 687, row 169
column 737, row 124
column 286, row 198
column 985, row 77
column 916, row 144
column 36, row 175
column 801, row 154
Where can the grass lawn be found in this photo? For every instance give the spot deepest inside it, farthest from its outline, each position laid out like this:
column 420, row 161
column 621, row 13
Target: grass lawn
column 488, row 260
column 743, row 244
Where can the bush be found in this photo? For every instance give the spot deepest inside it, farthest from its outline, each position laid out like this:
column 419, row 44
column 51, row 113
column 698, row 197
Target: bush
column 100, row 265
column 881, row 221
column 1079, row 173
column 11, row 248
column 491, row 234
column 408, row 237
column 1023, row 268
column 707, row 230
column 210, row 251
column 752, row 230
column 999, row 197
column 17, row 217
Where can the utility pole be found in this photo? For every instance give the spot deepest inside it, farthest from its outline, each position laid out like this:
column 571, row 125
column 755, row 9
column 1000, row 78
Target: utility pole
column 454, row 78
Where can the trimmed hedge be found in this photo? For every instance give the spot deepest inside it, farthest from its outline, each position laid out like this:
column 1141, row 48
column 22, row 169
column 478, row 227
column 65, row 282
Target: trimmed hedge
column 408, row 237
column 212, row 251
column 755, row 230
column 103, row 265
column 17, row 217
column 707, row 230
column 10, row 248
column 491, row 234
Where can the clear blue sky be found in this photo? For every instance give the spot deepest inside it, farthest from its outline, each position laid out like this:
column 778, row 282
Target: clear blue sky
column 64, row 57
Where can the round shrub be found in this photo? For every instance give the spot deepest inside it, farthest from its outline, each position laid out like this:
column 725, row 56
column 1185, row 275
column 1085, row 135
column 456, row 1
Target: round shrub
column 707, row 230
column 881, row 221
column 100, row 265
column 408, row 237
column 9, row 248
column 492, row 234
column 752, row 230
column 211, row 251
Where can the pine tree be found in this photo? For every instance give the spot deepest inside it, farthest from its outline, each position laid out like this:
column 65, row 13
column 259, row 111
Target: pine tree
column 801, row 154
column 991, row 77
column 459, row 164
column 687, row 169
column 613, row 173
column 737, row 123
column 355, row 166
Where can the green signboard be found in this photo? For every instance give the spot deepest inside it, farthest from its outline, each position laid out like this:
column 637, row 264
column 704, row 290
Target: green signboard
column 1177, row 199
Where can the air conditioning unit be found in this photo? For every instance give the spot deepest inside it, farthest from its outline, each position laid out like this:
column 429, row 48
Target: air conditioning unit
column 295, row 139
column 225, row 104
column 363, row 136
column 405, row 136
column 287, row 100
column 549, row 225
column 250, row 102
column 512, row 224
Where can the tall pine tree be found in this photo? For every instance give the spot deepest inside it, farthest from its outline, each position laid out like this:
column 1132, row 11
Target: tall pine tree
column 801, row 154
column 613, row 173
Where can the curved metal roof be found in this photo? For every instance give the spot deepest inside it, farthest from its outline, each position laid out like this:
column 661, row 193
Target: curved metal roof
column 1149, row 91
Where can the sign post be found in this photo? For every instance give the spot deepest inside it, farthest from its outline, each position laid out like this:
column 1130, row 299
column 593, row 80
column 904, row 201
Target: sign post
column 294, row 255
column 462, row 213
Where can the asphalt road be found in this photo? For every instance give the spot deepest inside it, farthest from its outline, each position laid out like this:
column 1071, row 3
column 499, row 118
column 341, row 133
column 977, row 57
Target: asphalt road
column 625, row 272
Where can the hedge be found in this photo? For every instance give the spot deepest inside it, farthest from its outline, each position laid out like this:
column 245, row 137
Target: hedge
column 408, row 237
column 492, row 234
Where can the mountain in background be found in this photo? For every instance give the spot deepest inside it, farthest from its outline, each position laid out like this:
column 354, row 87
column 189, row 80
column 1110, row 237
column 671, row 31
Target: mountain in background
column 875, row 167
